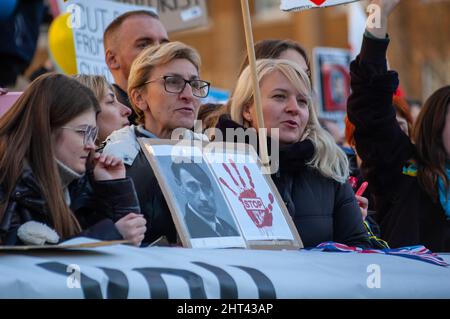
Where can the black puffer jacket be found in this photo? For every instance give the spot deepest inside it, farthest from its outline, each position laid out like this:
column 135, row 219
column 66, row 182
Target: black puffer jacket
column 321, row 208
column 406, row 214
column 96, row 205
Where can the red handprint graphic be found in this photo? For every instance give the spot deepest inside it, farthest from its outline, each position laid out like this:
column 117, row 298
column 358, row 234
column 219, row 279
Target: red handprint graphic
column 260, row 214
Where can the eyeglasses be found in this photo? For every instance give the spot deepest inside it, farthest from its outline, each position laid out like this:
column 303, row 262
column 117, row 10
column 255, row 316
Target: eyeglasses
column 89, row 133
column 176, row 84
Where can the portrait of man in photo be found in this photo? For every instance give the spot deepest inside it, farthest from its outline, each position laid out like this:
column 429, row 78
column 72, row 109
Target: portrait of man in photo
column 201, row 213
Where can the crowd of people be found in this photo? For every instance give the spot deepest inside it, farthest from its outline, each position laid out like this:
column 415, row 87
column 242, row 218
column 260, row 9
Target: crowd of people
column 71, row 164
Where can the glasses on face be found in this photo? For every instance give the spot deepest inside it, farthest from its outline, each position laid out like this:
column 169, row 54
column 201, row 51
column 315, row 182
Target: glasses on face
column 89, row 133
column 176, row 84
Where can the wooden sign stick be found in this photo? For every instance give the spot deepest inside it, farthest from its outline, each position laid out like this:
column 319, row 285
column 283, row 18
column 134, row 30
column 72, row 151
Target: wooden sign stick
column 256, row 91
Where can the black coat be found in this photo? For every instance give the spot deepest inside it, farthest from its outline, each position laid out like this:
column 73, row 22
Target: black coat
column 321, row 208
column 406, row 214
column 97, row 206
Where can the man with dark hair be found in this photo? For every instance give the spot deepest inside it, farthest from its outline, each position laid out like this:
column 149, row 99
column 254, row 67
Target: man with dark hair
column 200, row 215
column 123, row 40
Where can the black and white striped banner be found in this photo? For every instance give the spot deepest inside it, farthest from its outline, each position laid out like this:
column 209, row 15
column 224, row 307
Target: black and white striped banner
column 160, row 272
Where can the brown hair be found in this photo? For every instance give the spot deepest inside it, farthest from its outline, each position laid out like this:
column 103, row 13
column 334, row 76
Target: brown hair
column 209, row 114
column 273, row 48
column 111, row 29
column 154, row 56
column 430, row 146
column 49, row 102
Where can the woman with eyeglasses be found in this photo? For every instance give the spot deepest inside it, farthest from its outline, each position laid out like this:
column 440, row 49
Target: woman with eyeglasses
column 46, row 141
column 165, row 91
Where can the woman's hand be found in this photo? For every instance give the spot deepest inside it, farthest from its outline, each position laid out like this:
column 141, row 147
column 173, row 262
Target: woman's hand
column 107, row 167
column 132, row 228
column 363, row 205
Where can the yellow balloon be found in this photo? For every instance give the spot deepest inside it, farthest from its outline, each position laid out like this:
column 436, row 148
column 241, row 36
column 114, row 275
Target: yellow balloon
column 61, row 46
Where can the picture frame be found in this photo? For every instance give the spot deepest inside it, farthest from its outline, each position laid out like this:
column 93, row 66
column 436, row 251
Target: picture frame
column 181, row 184
column 240, row 168
column 245, row 199
column 332, row 81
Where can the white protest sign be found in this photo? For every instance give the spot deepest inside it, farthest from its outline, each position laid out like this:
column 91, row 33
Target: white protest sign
column 177, row 15
column 297, row 5
column 332, row 81
column 89, row 20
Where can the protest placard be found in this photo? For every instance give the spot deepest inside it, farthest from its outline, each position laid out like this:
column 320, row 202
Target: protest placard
column 218, row 196
column 89, row 19
column 177, row 15
column 332, row 81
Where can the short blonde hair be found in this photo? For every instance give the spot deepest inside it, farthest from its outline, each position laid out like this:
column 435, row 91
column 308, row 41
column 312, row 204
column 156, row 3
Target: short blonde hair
column 328, row 158
column 97, row 83
column 154, row 56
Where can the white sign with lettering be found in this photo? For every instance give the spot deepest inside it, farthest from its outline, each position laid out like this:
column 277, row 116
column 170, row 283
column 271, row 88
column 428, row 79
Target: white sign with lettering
column 89, row 20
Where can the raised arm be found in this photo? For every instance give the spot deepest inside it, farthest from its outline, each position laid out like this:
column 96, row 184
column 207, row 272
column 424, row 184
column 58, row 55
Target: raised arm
column 380, row 143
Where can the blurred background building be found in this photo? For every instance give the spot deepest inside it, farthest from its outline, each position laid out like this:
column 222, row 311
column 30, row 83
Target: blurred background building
column 420, row 50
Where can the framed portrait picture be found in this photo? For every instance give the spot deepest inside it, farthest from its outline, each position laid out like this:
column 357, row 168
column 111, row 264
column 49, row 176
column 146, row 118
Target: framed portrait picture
column 201, row 215
column 218, row 196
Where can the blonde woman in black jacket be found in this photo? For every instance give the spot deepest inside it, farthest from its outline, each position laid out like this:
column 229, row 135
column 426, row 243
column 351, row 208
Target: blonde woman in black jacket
column 313, row 171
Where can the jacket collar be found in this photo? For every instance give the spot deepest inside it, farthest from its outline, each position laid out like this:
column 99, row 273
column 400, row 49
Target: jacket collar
column 124, row 144
column 67, row 174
